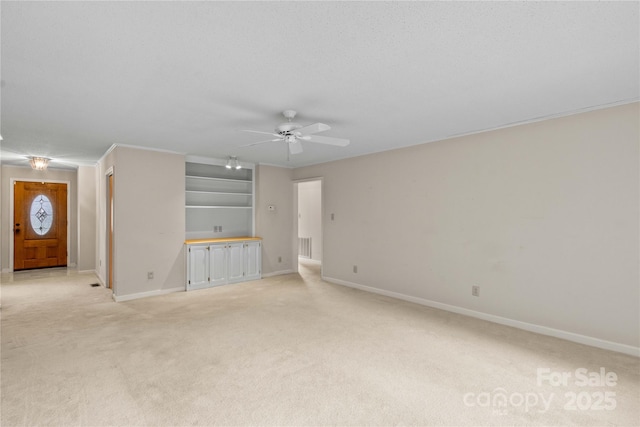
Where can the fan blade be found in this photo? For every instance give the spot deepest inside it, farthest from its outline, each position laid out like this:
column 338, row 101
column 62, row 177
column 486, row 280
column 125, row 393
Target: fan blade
column 257, row 131
column 295, row 147
column 261, row 142
column 314, row 128
column 327, row 140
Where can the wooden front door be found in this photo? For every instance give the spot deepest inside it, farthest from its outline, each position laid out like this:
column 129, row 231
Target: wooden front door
column 40, row 225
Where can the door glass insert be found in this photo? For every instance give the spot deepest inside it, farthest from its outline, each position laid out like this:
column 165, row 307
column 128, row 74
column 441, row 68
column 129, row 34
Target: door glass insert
column 41, row 214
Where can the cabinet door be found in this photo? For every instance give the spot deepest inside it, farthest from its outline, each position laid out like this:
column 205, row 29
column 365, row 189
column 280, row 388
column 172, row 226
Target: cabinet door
column 197, row 266
column 235, row 262
column 252, row 260
column 218, row 262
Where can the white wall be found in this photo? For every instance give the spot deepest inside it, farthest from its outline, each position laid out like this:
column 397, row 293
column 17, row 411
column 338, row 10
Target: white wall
column 543, row 217
column 87, row 217
column 28, row 174
column 149, row 220
column 310, row 215
column 274, row 187
column 105, row 166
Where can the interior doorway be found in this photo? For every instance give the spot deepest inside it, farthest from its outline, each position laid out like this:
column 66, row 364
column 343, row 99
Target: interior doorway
column 40, row 225
column 309, row 222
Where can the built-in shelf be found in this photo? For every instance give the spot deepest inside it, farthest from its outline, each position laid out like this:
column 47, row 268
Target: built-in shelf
column 218, row 179
column 218, row 207
column 218, row 192
column 218, row 201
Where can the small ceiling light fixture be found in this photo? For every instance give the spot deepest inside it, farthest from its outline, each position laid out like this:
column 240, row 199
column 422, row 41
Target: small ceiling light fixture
column 39, row 163
column 232, row 163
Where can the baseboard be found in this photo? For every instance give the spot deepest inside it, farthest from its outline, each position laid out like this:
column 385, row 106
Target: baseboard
column 310, row 261
column 71, row 265
column 277, row 273
column 100, row 279
column 118, row 298
column 543, row 330
column 87, row 272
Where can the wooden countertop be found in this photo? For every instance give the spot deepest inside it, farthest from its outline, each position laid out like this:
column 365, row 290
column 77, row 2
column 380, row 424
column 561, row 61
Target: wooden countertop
column 220, row 240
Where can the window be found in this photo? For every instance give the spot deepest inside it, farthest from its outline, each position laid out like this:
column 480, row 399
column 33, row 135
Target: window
column 41, row 214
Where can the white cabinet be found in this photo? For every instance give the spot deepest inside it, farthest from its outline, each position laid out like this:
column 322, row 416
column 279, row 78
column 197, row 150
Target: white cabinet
column 235, row 262
column 253, row 260
column 222, row 262
column 217, row 265
column 198, row 266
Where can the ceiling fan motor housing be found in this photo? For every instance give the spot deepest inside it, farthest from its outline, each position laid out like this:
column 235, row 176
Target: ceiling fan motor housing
column 286, row 128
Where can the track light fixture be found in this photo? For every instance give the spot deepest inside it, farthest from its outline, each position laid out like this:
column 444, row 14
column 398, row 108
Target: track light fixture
column 232, row 163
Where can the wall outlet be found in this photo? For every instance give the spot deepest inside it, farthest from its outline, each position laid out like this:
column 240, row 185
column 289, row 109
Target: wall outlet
column 332, row 217
column 355, row 268
column 475, row 291
column 150, row 275
column 279, row 259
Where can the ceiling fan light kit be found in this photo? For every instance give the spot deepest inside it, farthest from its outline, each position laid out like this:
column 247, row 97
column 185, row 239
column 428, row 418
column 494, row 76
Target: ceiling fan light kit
column 293, row 133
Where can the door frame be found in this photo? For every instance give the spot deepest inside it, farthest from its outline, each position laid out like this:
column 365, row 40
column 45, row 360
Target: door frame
column 294, row 243
column 12, row 183
column 110, row 223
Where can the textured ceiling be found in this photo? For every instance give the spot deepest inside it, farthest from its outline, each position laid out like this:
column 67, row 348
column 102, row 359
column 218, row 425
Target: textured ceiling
column 78, row 77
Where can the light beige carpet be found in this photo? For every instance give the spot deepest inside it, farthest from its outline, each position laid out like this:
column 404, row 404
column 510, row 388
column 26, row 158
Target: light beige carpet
column 287, row 350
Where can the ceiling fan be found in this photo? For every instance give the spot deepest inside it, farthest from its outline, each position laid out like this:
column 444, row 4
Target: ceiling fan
column 294, row 133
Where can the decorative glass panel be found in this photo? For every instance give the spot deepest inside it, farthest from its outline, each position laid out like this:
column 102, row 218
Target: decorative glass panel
column 41, row 214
